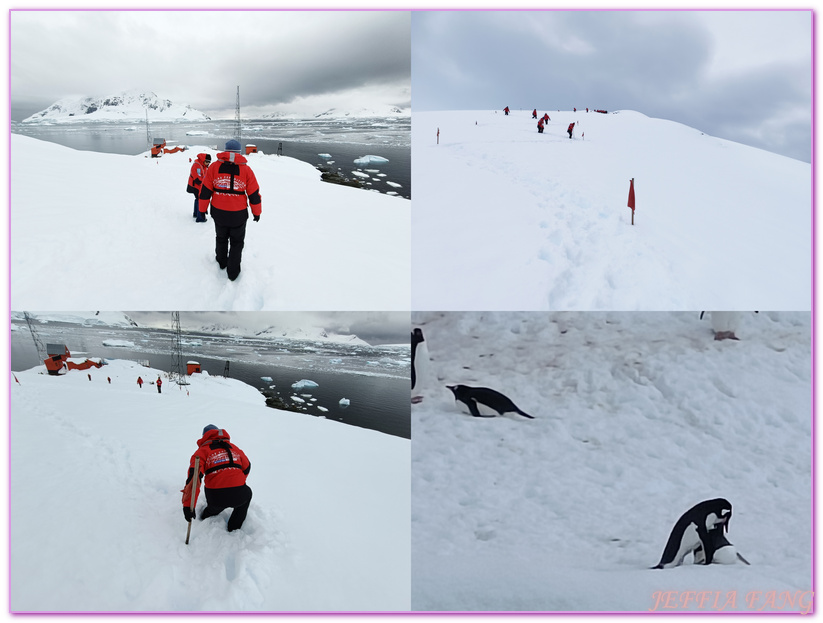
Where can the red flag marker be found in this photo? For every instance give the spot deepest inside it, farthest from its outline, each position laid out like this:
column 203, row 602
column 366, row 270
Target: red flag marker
column 631, row 198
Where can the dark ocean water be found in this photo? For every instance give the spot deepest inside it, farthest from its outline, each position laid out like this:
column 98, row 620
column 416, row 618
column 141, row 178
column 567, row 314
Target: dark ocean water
column 374, row 379
column 343, row 141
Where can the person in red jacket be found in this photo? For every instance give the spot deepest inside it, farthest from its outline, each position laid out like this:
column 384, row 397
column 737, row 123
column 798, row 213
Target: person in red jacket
column 198, row 170
column 534, row 114
column 231, row 187
column 540, row 125
column 140, row 382
column 506, row 110
column 571, row 129
column 225, row 468
column 159, row 384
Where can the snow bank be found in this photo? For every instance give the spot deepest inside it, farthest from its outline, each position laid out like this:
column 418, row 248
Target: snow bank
column 638, row 416
column 96, row 520
column 123, row 259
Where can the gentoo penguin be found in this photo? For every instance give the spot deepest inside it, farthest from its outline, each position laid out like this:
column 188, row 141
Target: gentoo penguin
column 419, row 361
column 484, row 402
column 724, row 552
column 692, row 532
column 725, row 324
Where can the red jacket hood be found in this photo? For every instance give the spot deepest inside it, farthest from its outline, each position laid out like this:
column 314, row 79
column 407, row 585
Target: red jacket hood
column 226, row 157
column 201, row 158
column 213, row 435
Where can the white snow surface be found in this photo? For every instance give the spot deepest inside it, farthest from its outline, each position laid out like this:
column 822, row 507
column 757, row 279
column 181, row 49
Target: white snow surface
column 96, row 514
column 638, row 416
column 509, row 219
column 129, row 241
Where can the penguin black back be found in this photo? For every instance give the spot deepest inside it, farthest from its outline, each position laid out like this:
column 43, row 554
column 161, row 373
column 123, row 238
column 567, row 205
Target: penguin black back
column 706, row 516
column 416, row 339
column 494, row 400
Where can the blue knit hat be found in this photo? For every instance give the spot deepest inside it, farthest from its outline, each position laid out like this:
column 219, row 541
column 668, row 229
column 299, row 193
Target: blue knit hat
column 233, row 145
column 208, row 428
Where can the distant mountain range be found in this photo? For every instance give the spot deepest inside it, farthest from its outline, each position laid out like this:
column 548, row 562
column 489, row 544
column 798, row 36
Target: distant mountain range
column 119, row 319
column 128, row 106
column 133, row 106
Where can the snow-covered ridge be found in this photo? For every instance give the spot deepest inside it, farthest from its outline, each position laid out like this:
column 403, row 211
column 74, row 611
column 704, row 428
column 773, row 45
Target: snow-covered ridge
column 128, row 106
column 334, row 113
column 119, row 319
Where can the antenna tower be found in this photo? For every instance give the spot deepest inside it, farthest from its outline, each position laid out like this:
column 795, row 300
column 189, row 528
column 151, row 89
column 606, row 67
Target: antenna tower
column 148, row 133
column 176, row 374
column 38, row 343
column 237, row 116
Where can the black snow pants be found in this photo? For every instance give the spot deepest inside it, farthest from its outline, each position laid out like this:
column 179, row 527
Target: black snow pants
column 230, row 237
column 218, row 500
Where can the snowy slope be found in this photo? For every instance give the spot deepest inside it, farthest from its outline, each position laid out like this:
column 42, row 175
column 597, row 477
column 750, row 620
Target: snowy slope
column 96, row 515
column 506, row 218
column 116, row 232
column 127, row 106
column 638, row 416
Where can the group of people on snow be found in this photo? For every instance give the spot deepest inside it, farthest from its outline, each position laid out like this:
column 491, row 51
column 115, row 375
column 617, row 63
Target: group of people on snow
column 230, row 187
column 158, row 383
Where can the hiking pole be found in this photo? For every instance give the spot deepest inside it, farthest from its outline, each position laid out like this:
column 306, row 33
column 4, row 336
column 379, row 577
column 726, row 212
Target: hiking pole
column 195, row 480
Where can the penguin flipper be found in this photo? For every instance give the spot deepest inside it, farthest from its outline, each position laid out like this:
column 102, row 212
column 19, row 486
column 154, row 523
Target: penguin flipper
column 473, row 408
column 743, row 559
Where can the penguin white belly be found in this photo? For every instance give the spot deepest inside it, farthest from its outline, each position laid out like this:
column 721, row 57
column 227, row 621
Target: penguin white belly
column 725, row 555
column 482, row 409
column 421, row 370
column 726, row 322
column 689, row 542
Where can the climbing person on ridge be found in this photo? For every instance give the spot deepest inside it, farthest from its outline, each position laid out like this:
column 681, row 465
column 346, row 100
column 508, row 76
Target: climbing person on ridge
column 230, row 187
column 225, row 468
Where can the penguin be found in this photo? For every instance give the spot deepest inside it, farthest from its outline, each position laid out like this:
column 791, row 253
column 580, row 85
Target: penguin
column 419, row 360
column 724, row 552
column 725, row 324
column 692, row 532
column 484, row 402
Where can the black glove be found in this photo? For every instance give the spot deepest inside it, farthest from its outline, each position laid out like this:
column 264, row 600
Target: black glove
column 256, row 217
column 188, row 513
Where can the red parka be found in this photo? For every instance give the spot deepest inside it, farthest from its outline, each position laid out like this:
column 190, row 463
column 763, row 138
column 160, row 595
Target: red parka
column 229, row 181
column 222, row 463
column 198, row 171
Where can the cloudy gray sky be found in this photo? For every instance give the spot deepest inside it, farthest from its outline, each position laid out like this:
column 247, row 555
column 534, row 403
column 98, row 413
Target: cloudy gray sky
column 741, row 75
column 301, row 61
column 373, row 327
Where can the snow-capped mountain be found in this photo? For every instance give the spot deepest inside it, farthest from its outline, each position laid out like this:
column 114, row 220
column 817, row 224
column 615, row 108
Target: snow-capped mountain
column 128, row 106
column 316, row 334
column 120, row 319
column 363, row 113
column 110, row 319
column 335, row 113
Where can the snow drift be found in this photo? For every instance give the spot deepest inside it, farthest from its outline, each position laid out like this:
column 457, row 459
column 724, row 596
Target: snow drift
column 96, row 513
column 107, row 231
column 509, row 219
column 638, row 416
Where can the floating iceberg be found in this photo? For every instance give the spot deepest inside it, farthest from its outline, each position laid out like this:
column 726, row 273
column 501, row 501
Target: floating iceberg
column 304, row 384
column 326, row 156
column 345, row 402
column 371, row 160
column 268, row 379
column 322, row 409
column 118, row 343
column 297, row 399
